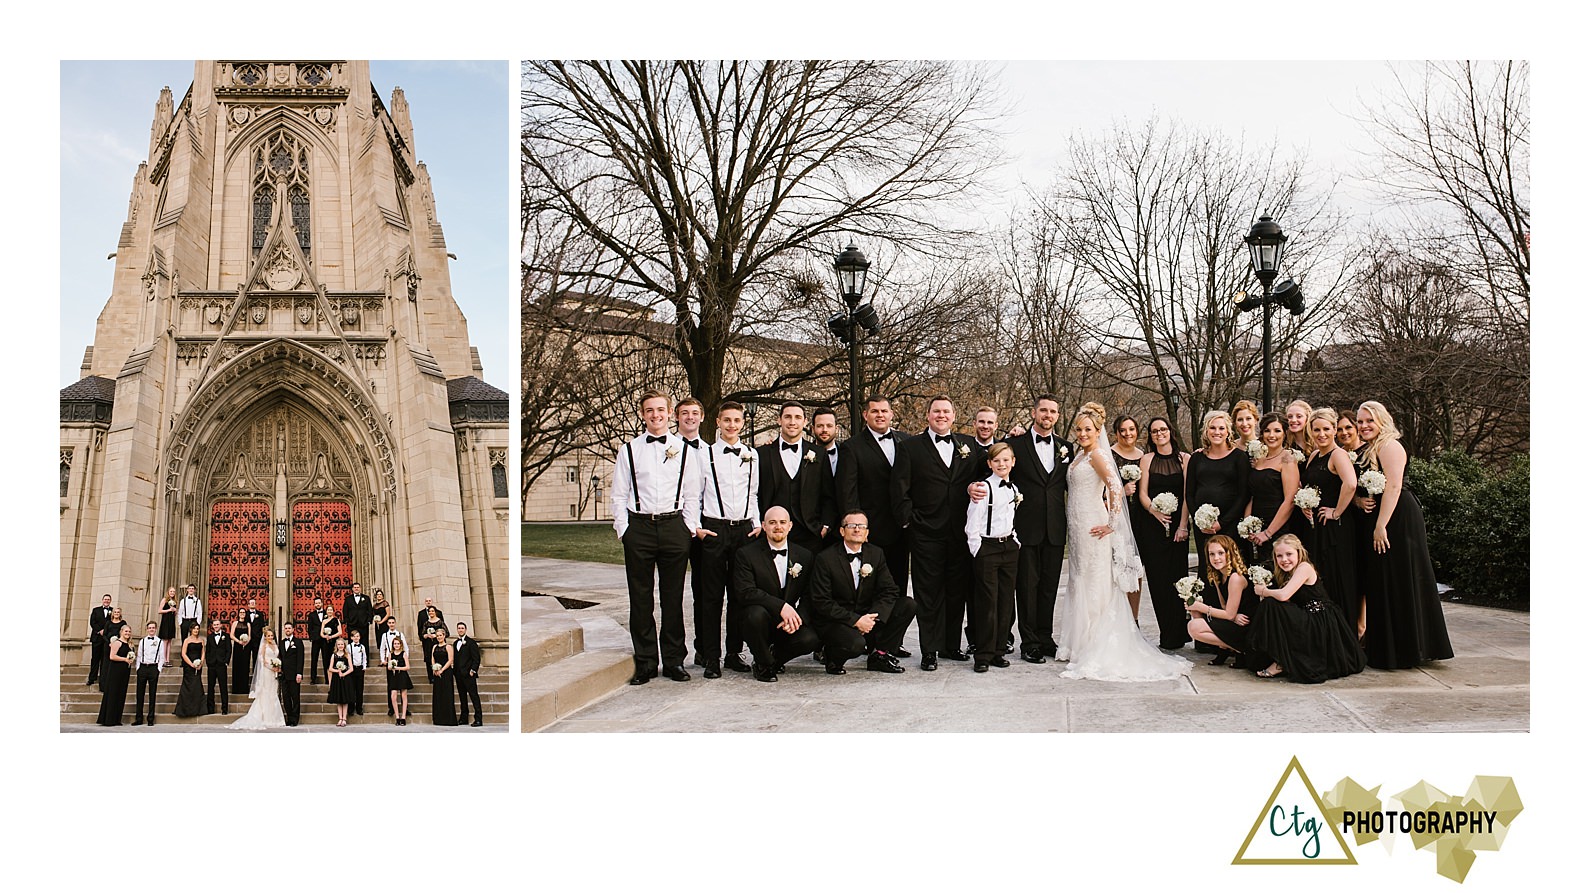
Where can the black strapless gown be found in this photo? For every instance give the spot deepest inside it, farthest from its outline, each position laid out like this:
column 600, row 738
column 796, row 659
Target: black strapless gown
column 1222, row 483
column 444, row 712
column 1307, row 635
column 190, row 698
column 1332, row 545
column 1267, row 491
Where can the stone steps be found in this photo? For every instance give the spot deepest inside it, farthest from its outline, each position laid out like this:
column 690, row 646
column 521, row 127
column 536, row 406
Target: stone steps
column 570, row 660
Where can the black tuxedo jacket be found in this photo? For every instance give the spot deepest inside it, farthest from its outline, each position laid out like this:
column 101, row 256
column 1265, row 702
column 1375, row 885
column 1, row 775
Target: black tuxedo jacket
column 929, row 497
column 755, row 580
column 256, row 629
column 866, row 484
column 834, row 599
column 357, row 614
column 292, row 659
column 1041, row 517
column 809, row 496
column 466, row 656
column 217, row 655
column 316, row 620
column 98, row 619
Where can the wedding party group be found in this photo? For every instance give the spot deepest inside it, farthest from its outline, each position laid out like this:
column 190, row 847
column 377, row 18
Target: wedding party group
column 242, row 656
column 1312, row 559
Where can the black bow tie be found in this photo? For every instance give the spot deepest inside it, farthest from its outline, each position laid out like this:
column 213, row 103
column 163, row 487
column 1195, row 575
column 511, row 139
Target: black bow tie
column 943, row 438
column 855, row 556
column 780, row 551
column 653, row 439
column 884, row 436
column 1043, row 438
column 833, row 450
column 790, row 446
column 732, row 449
column 1004, row 483
column 694, row 443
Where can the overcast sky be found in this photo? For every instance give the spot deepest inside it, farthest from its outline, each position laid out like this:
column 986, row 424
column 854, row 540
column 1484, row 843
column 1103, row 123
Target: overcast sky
column 461, row 131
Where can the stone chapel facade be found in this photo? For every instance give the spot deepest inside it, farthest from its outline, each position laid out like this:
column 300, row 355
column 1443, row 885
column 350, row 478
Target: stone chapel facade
column 281, row 398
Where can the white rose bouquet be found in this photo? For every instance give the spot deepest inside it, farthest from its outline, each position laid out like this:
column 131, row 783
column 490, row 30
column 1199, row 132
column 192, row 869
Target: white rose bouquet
column 1259, row 576
column 275, row 664
column 1373, row 482
column 1190, row 588
column 1206, row 517
column 1165, row 504
column 1256, row 449
column 1249, row 526
column 243, row 638
column 1297, row 456
column 436, row 669
column 1131, row 473
column 1307, row 498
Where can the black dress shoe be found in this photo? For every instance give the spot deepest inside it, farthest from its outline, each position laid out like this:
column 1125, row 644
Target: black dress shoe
column 899, row 652
column 710, row 670
column 1034, row 657
column 836, row 669
column 955, row 654
column 642, row 677
column 736, row 663
column 818, row 655
column 764, row 674
column 883, row 662
column 999, row 662
column 477, row 724
column 138, row 722
column 980, row 667
column 930, row 661
column 1049, row 651
column 677, row 674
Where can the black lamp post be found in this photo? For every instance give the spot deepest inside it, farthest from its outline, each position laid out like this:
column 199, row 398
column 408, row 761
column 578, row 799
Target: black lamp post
column 1267, row 243
column 856, row 323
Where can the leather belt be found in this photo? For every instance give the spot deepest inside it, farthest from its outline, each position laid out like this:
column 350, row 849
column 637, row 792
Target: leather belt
column 657, row 516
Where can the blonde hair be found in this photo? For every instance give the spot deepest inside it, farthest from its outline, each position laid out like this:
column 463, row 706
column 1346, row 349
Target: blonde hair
column 1329, row 415
column 1253, row 410
column 1288, row 539
column 998, row 449
column 1210, row 416
column 1388, row 431
column 1093, row 411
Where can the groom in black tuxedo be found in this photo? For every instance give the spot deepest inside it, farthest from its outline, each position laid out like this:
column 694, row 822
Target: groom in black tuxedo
column 1043, row 458
column 932, row 472
column 855, row 603
column 217, row 654
column 291, row 654
column 768, row 585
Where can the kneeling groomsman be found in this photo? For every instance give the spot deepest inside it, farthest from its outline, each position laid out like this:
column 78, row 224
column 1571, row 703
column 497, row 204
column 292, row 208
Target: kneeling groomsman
column 855, row 603
column 770, row 579
column 991, row 538
column 729, row 478
column 656, row 505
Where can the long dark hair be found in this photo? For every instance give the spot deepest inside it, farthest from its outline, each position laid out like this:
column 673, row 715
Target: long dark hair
column 1175, row 440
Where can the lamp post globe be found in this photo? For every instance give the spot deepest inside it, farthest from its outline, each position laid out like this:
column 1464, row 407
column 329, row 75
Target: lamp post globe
column 1266, row 244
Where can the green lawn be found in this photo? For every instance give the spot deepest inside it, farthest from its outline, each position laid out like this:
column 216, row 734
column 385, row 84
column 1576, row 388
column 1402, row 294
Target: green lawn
column 580, row 542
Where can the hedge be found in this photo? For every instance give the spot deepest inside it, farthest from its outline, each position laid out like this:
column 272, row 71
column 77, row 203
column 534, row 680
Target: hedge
column 1478, row 524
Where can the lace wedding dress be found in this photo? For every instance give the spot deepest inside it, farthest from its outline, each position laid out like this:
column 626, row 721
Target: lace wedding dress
column 267, row 710
column 1097, row 633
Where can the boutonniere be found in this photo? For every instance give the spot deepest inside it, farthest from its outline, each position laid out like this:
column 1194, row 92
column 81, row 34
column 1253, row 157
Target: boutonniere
column 866, row 570
column 795, row 570
column 963, row 451
column 1064, row 452
column 811, row 455
column 1016, row 500
column 747, row 457
column 670, row 453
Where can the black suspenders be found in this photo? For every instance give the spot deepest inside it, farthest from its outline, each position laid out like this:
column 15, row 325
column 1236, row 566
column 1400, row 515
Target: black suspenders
column 634, row 482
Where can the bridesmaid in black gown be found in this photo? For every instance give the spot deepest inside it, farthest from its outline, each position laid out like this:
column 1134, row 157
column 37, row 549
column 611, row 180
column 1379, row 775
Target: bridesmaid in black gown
column 113, row 679
column 1163, row 542
column 1298, row 627
column 1272, row 484
column 443, row 711
column 242, row 667
column 1217, row 475
column 190, row 698
column 1126, row 452
column 1330, row 544
column 339, row 673
column 1404, row 625
column 1360, row 531
column 428, row 627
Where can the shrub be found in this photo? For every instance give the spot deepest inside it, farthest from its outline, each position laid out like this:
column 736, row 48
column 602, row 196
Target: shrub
column 1477, row 520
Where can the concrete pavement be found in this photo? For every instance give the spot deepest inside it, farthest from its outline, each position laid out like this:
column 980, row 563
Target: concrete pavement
column 1485, row 688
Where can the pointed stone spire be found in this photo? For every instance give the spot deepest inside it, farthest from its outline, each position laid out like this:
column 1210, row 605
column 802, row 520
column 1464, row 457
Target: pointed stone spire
column 163, row 113
column 400, row 117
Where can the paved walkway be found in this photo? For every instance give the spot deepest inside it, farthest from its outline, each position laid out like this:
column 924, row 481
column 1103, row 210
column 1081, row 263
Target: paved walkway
column 1485, row 688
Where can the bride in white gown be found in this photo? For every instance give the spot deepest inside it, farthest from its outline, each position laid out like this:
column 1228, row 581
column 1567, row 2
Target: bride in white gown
column 1097, row 633
column 267, row 710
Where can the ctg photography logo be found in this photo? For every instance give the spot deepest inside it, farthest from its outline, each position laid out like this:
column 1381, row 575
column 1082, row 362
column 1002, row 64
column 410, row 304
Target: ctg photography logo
column 1297, row 826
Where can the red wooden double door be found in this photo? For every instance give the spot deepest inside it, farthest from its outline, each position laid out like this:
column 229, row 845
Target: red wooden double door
column 320, row 540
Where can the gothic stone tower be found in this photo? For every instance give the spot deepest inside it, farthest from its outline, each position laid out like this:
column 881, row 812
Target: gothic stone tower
column 281, row 398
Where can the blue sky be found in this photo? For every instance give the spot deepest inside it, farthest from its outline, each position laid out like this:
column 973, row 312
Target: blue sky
column 461, row 131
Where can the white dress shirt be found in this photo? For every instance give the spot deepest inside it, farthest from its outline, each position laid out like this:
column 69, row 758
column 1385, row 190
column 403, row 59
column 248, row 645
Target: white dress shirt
column 1045, row 451
column 386, row 643
column 666, row 482
column 727, row 472
column 833, row 459
column 148, row 653
column 792, row 459
column 885, row 443
column 357, row 656
column 1001, row 502
column 855, row 567
column 189, row 608
column 945, row 447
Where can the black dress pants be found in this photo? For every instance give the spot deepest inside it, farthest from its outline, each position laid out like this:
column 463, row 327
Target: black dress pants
column 994, row 599
column 771, row 646
column 659, row 546
column 468, row 691
column 148, row 678
column 842, row 642
column 1037, row 587
column 319, row 659
column 289, row 694
column 941, row 572
column 217, row 680
column 710, row 562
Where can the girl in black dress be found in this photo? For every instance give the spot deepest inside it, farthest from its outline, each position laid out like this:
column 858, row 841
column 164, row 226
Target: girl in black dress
column 168, row 625
column 339, row 671
column 1163, row 547
column 1217, row 475
column 398, row 682
column 241, row 668
column 113, row 678
column 190, row 698
column 1330, row 472
column 1298, row 627
column 1222, row 619
column 1126, row 452
column 1272, row 485
column 443, row 711
column 1404, row 624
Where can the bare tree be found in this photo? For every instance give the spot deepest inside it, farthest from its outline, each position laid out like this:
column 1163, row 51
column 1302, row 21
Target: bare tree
column 706, row 185
column 1046, row 330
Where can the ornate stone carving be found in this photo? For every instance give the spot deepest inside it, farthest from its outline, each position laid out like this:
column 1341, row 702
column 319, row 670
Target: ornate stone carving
column 306, row 313
column 281, row 272
column 498, row 457
column 323, row 115
column 350, row 313
column 258, row 312
column 188, row 351
column 212, row 313
column 249, row 75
